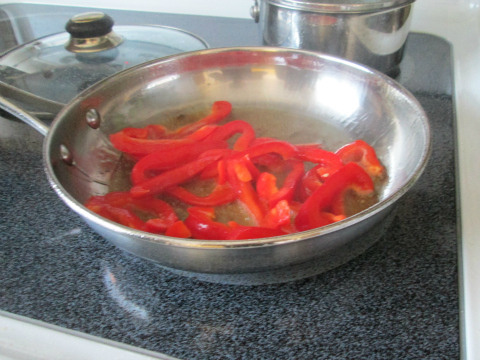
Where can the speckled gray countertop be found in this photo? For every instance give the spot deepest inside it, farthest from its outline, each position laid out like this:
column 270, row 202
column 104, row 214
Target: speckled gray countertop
column 398, row 300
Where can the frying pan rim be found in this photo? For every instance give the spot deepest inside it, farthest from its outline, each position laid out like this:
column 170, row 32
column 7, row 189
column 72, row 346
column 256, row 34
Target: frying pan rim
column 250, row 243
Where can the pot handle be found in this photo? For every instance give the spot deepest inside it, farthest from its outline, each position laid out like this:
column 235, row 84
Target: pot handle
column 23, row 115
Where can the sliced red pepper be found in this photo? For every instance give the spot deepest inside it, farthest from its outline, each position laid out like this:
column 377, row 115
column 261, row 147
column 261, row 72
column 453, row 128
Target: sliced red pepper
column 222, row 172
column 203, row 227
column 363, row 154
column 351, row 175
column 283, row 148
column 202, row 133
column 171, row 178
column 278, row 216
column 213, row 169
column 221, row 194
column 245, row 169
column 219, row 111
column 329, row 161
column 231, row 128
column 262, row 140
column 245, row 192
column 253, row 232
column 266, row 186
column 167, row 159
column 273, row 162
column 142, row 146
column 112, row 205
column 290, row 184
column 122, row 216
column 179, row 230
column 310, row 182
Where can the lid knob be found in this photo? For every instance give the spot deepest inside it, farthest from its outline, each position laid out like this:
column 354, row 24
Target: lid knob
column 88, row 25
column 91, row 32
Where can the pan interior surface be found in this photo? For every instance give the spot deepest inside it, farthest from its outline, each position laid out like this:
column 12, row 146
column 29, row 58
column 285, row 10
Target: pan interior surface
column 291, row 95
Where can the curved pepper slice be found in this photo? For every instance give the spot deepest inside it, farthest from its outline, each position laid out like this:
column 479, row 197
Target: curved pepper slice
column 179, row 230
column 121, row 207
column 278, row 216
column 362, row 153
column 245, row 192
column 329, row 161
column 119, row 215
column 141, row 146
column 221, row 194
column 167, row 159
column 290, row 184
column 351, row 175
column 202, row 226
column 283, row 148
column 137, row 142
column 172, row 177
column 219, row 111
column 267, row 187
column 231, row 128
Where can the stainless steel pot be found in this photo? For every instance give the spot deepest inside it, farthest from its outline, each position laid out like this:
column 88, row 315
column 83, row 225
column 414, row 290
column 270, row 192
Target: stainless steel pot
column 313, row 97
column 371, row 32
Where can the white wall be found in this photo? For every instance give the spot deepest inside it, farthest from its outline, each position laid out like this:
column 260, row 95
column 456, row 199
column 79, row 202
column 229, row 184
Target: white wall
column 227, row 8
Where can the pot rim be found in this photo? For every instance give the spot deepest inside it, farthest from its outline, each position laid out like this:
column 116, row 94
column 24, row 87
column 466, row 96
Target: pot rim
column 343, row 6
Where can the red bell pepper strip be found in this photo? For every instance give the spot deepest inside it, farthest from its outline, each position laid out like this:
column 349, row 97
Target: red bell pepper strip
column 310, row 182
column 362, row 153
column 202, row 226
column 167, row 159
column 245, row 169
column 213, row 169
column 122, row 216
column 132, row 145
column 330, row 161
column 245, row 192
column 290, row 184
column 231, row 128
column 351, row 175
column 179, row 230
column 221, row 194
column 121, row 207
column 222, row 172
column 170, row 178
column 273, row 162
column 278, row 216
column 253, row 232
column 202, row 133
column 283, row 148
column 219, row 111
column 266, row 186
column 136, row 141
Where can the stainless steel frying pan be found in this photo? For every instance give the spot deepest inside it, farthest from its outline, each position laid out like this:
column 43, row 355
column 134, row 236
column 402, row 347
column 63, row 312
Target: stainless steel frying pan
column 289, row 94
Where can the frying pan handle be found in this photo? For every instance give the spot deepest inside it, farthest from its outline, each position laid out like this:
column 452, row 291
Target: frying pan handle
column 23, row 115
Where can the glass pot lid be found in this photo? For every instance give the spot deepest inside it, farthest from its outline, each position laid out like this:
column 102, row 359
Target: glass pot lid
column 60, row 66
